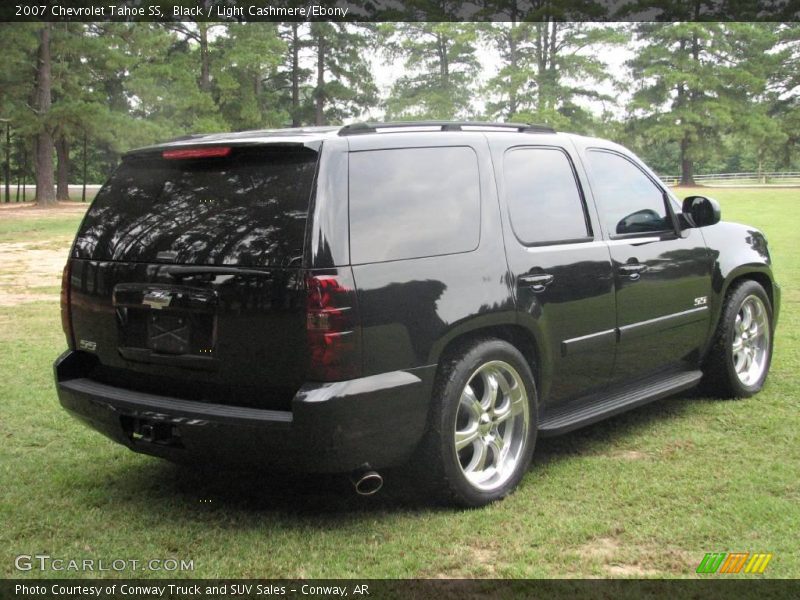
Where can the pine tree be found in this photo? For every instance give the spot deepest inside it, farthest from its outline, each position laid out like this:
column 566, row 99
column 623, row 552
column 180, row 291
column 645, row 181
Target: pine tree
column 43, row 146
column 343, row 85
column 695, row 82
column 292, row 77
column 17, row 88
column 166, row 79
column 548, row 68
column 441, row 70
column 245, row 76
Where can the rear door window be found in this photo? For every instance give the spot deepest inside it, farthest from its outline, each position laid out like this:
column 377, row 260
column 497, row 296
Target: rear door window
column 413, row 202
column 248, row 208
column 544, row 201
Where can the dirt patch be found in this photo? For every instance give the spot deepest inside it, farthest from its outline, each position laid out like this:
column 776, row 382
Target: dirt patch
column 629, row 455
column 618, row 559
column 676, row 447
column 486, row 557
column 29, row 210
column 469, row 562
column 600, row 549
column 17, row 299
column 629, row 571
column 606, row 550
column 622, row 455
column 26, row 267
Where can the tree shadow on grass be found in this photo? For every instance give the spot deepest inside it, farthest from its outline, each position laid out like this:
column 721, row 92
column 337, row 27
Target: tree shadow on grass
column 611, row 431
column 331, row 498
column 232, row 490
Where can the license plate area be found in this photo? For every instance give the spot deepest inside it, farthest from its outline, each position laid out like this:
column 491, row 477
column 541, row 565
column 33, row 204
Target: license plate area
column 169, row 323
column 170, row 334
column 164, row 332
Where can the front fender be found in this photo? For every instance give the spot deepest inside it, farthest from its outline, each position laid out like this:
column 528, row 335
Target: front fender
column 738, row 251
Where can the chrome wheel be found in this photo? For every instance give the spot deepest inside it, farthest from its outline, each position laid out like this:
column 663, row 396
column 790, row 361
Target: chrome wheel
column 750, row 346
column 492, row 423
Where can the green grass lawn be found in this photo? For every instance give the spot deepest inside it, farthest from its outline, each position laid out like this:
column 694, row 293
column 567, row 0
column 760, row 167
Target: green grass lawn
column 42, row 226
column 644, row 494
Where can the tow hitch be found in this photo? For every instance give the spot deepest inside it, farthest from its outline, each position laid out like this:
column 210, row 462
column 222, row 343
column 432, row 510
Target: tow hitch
column 151, row 432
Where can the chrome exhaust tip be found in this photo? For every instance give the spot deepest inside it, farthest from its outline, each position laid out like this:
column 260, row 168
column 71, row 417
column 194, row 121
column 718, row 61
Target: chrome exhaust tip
column 367, row 483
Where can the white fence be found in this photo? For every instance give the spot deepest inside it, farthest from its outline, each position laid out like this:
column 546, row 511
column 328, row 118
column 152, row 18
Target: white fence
column 714, row 180
column 740, row 179
column 75, row 191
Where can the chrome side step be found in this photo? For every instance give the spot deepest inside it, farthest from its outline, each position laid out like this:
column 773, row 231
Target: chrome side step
column 594, row 409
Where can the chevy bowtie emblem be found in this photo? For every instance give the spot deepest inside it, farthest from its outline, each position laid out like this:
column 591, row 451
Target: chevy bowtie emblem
column 157, row 299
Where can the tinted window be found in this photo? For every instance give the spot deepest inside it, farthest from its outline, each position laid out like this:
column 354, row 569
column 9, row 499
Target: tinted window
column 543, row 197
column 628, row 200
column 411, row 203
column 249, row 208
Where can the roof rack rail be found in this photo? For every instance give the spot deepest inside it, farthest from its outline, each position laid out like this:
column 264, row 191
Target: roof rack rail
column 360, row 128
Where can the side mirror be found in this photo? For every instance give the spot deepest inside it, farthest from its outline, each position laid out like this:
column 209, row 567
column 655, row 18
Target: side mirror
column 701, row 211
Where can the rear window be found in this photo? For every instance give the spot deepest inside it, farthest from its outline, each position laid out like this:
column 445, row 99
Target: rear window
column 248, row 208
column 413, row 202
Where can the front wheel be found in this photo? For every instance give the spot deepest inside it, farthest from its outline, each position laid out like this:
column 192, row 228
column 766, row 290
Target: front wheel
column 739, row 360
column 483, row 424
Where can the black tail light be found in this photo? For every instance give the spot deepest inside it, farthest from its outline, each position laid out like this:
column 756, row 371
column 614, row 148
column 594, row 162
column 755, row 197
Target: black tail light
column 334, row 335
column 66, row 309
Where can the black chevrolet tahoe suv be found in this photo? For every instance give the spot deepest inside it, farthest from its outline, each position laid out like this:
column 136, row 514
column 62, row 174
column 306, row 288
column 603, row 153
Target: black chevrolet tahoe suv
column 435, row 295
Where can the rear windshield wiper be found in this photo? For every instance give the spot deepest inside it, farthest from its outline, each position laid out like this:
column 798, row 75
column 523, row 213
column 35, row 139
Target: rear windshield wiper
column 179, row 271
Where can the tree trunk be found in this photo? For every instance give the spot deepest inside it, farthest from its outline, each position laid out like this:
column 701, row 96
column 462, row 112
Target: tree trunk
column 24, row 174
column 19, row 180
column 444, row 65
column 512, row 59
column 687, row 164
column 448, row 111
column 7, row 164
column 205, row 68
column 43, row 146
column 541, row 63
column 550, row 77
column 295, row 75
column 85, row 161
column 319, row 95
column 62, row 171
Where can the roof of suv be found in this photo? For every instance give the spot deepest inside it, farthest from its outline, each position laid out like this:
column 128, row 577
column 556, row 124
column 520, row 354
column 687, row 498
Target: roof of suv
column 311, row 135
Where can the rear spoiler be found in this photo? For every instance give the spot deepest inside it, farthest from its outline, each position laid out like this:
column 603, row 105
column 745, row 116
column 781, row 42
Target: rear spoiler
column 194, row 143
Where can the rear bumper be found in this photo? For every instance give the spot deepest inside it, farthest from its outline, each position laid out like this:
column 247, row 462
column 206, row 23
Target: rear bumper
column 332, row 427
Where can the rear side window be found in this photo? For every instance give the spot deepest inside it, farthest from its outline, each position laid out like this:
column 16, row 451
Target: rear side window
column 247, row 208
column 544, row 201
column 413, row 202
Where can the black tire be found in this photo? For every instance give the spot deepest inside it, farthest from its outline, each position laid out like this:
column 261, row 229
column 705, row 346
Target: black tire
column 720, row 374
column 437, row 464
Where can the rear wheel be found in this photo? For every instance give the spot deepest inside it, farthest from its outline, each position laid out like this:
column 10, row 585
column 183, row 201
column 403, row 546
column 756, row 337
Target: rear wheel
column 483, row 424
column 740, row 357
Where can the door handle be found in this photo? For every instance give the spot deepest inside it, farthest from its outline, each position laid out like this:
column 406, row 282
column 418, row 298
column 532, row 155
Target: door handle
column 537, row 282
column 633, row 270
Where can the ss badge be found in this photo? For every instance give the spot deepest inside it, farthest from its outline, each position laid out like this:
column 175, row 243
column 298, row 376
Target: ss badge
column 701, row 301
column 87, row 345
